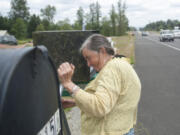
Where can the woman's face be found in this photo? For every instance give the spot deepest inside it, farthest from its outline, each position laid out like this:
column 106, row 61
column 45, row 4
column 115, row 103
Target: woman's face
column 92, row 58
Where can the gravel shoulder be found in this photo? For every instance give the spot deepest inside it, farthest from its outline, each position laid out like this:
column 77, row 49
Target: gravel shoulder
column 74, row 120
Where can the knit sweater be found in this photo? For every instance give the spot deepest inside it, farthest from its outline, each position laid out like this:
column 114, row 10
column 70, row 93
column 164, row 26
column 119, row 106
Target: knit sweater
column 109, row 102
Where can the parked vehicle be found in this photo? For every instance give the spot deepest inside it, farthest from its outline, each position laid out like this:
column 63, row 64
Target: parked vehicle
column 145, row 33
column 166, row 35
column 8, row 39
column 176, row 33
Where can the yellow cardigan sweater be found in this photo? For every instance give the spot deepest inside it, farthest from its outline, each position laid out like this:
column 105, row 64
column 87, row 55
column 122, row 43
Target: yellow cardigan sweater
column 109, row 103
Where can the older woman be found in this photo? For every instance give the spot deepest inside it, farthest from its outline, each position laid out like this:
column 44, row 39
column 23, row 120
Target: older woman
column 109, row 103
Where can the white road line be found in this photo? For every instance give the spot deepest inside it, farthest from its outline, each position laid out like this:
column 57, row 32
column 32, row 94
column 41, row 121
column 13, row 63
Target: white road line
column 178, row 49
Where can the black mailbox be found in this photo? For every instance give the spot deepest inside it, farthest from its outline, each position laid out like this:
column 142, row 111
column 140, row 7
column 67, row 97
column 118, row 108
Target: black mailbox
column 29, row 93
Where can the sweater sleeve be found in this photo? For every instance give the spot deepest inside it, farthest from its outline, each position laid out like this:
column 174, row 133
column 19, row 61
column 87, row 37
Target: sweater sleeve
column 101, row 102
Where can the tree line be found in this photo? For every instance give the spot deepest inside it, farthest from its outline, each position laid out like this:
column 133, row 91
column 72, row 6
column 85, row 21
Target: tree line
column 22, row 24
column 157, row 26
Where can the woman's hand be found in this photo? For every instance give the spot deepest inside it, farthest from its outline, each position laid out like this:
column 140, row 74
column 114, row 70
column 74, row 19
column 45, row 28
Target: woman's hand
column 67, row 103
column 65, row 73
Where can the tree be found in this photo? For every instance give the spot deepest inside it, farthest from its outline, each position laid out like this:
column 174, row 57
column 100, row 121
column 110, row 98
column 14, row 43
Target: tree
column 88, row 21
column 105, row 26
column 65, row 24
column 80, row 18
column 19, row 29
column 113, row 17
column 76, row 26
column 5, row 23
column 48, row 13
column 170, row 24
column 157, row 26
column 122, row 19
column 93, row 17
column 40, row 27
column 131, row 28
column 32, row 25
column 46, row 24
column 98, row 15
column 19, row 9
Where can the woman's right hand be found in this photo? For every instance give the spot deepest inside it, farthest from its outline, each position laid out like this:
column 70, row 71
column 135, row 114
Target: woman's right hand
column 65, row 73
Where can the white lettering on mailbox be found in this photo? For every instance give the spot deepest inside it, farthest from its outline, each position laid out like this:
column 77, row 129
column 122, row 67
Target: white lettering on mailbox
column 52, row 127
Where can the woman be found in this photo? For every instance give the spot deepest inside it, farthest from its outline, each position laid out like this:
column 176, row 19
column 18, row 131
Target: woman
column 109, row 102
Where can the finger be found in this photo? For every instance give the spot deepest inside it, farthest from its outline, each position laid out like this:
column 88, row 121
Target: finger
column 66, row 67
column 63, row 64
column 72, row 67
column 59, row 71
column 63, row 68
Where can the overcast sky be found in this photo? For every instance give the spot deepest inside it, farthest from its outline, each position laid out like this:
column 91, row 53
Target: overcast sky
column 139, row 12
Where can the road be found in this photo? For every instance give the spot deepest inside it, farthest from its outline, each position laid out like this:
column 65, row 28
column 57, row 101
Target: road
column 158, row 66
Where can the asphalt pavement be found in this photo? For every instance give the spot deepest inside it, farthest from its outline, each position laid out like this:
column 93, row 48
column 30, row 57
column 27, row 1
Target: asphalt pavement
column 158, row 66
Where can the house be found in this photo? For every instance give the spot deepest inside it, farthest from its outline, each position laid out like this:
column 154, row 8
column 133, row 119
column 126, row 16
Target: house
column 3, row 32
column 7, row 39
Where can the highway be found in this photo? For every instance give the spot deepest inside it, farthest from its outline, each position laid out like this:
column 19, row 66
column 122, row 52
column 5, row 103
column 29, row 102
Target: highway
column 158, row 66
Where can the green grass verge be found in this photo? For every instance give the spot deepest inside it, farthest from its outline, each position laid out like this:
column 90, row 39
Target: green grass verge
column 125, row 46
column 24, row 41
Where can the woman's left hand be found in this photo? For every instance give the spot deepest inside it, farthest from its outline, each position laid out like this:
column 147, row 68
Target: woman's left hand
column 65, row 73
column 67, row 103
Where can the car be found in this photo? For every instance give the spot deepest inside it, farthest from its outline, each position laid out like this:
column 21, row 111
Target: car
column 166, row 35
column 144, row 33
column 8, row 39
column 176, row 33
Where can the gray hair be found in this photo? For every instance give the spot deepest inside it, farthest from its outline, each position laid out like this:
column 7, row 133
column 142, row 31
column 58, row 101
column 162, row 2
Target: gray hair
column 97, row 41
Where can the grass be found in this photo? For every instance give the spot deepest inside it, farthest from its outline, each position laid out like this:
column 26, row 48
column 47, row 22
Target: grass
column 67, row 109
column 25, row 41
column 124, row 45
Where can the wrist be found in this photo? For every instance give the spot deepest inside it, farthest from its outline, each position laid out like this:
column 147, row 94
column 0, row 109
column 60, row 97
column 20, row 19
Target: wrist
column 71, row 87
column 68, row 86
column 75, row 89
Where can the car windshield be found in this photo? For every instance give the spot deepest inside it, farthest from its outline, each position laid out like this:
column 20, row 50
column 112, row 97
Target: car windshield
column 166, row 32
column 176, row 31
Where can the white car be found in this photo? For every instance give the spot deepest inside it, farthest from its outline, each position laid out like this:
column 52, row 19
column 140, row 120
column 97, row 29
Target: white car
column 176, row 33
column 166, row 35
column 145, row 33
